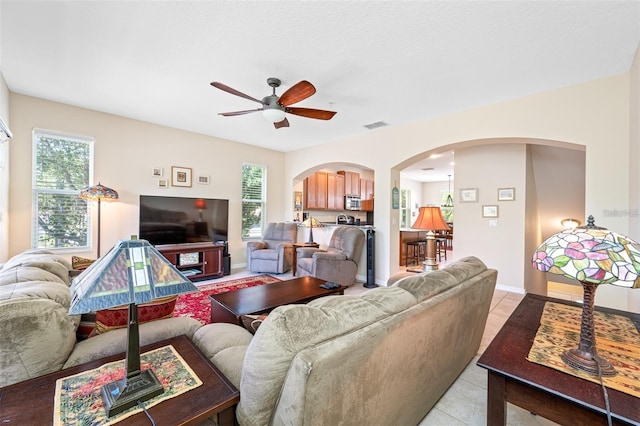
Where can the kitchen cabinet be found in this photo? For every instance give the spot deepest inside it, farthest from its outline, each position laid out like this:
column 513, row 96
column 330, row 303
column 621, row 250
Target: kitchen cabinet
column 335, row 191
column 315, row 191
column 366, row 189
column 351, row 183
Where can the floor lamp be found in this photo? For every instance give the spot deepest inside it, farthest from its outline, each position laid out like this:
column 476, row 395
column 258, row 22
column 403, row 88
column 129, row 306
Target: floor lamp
column 430, row 218
column 98, row 193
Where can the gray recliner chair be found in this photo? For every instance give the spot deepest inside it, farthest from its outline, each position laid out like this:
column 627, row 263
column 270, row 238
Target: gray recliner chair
column 339, row 262
column 274, row 254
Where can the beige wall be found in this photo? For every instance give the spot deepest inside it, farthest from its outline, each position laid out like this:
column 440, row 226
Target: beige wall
column 4, row 172
column 600, row 115
column 125, row 152
column 593, row 114
column 634, row 161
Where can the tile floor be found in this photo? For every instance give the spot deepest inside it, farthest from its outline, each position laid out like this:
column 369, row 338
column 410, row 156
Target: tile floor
column 465, row 403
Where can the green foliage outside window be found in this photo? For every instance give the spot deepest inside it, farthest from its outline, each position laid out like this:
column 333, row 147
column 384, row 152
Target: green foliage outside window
column 62, row 167
column 253, row 200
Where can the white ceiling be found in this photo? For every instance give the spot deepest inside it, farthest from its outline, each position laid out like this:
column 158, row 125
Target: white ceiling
column 391, row 61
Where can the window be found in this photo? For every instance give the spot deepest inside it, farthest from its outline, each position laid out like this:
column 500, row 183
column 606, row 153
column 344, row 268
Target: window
column 254, row 184
column 62, row 166
column 405, row 208
column 446, row 203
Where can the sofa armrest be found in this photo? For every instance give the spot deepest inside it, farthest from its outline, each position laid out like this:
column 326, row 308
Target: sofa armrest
column 308, row 251
column 226, row 346
column 330, row 257
column 116, row 341
column 256, row 245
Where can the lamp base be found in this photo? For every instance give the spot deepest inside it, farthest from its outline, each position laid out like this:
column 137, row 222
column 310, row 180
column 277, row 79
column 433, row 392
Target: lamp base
column 429, row 264
column 588, row 363
column 125, row 393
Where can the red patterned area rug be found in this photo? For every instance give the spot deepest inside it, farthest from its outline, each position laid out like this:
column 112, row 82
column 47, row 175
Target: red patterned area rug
column 197, row 304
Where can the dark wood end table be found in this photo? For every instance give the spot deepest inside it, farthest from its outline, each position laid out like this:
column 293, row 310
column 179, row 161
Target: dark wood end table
column 230, row 306
column 550, row 393
column 32, row 402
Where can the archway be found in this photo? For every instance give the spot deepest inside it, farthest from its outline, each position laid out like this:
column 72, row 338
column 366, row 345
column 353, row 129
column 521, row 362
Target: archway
column 549, row 182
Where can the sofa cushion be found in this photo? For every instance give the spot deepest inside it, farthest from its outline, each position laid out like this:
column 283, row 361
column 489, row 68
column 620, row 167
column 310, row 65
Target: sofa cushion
column 19, row 274
column 37, row 337
column 55, row 291
column 49, row 262
column 265, row 254
column 116, row 341
column 291, row 328
column 428, row 284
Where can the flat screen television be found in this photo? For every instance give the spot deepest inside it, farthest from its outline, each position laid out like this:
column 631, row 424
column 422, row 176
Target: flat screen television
column 180, row 220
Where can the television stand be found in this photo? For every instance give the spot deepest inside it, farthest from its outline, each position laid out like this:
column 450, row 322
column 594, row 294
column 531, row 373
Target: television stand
column 195, row 260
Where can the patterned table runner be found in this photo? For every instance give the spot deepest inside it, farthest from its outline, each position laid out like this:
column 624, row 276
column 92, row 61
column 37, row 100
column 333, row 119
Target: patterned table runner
column 78, row 400
column 617, row 340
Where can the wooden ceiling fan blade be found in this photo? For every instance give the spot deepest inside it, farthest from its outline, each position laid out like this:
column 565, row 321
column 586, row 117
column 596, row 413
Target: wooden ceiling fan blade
column 296, row 93
column 233, row 91
column 319, row 114
column 231, row 114
column 283, row 123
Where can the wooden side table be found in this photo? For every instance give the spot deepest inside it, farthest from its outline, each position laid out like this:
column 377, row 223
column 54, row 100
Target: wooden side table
column 294, row 267
column 557, row 396
column 31, row 402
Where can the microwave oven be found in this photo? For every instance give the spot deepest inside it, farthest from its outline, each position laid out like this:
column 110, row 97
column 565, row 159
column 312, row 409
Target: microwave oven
column 352, row 203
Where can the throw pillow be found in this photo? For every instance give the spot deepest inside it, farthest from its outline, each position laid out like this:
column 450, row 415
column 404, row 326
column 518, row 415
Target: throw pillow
column 80, row 263
column 118, row 317
column 252, row 322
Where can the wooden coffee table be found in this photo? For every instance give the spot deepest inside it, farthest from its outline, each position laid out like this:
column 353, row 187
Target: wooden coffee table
column 230, row 306
column 31, row 402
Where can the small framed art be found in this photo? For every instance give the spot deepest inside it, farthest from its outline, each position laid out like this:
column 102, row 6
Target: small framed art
column 157, row 172
column 162, row 183
column 469, row 195
column 180, row 176
column 490, row 211
column 203, row 179
column 506, row 194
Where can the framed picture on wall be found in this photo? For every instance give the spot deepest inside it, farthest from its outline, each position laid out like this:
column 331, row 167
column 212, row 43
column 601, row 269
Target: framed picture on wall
column 469, row 195
column 490, row 211
column 506, row 194
column 180, row 176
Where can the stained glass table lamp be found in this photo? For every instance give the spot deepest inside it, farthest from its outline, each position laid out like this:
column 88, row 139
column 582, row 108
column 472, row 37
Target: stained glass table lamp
column 594, row 256
column 131, row 273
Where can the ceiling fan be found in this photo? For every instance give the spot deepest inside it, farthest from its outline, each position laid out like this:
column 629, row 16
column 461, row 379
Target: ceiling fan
column 274, row 107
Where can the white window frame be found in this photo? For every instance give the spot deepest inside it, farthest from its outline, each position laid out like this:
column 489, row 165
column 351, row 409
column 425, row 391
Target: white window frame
column 262, row 201
column 36, row 191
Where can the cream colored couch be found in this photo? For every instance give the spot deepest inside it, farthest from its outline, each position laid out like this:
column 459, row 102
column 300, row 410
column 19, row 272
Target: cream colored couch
column 38, row 336
column 384, row 358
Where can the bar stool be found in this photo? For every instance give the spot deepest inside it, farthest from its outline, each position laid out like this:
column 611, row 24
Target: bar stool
column 418, row 250
column 441, row 247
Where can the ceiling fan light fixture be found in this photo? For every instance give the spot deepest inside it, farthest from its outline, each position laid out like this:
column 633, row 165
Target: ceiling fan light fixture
column 274, row 115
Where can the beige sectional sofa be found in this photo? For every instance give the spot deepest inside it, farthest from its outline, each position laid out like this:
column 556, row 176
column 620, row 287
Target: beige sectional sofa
column 38, row 336
column 382, row 358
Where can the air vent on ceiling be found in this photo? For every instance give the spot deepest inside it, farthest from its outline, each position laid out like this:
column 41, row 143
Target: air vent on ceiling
column 375, row 125
column 426, row 169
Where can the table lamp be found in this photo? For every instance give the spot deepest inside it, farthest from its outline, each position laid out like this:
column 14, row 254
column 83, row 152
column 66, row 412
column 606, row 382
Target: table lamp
column 310, row 222
column 132, row 272
column 98, row 193
column 430, row 218
column 594, row 256
column 200, row 205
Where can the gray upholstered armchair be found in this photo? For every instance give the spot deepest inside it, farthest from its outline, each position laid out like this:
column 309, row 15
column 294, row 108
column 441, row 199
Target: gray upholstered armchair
column 339, row 262
column 274, row 253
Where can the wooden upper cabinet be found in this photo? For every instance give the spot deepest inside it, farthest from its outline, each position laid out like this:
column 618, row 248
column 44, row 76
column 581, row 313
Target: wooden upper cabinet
column 366, row 189
column 335, row 192
column 351, row 183
column 315, row 191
